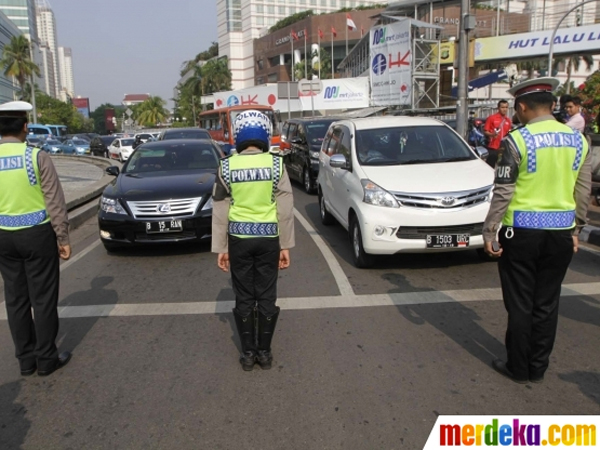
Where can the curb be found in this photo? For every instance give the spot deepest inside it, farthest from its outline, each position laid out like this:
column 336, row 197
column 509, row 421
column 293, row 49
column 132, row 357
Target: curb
column 590, row 234
column 78, row 216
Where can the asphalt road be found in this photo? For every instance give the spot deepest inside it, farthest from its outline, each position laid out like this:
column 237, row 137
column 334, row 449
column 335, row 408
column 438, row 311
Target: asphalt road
column 364, row 359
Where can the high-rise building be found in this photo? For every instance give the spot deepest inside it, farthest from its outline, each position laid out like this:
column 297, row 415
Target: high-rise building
column 239, row 23
column 8, row 89
column 65, row 64
column 46, row 27
column 48, row 71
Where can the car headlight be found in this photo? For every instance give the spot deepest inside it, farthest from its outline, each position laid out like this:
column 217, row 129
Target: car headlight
column 375, row 195
column 208, row 204
column 314, row 155
column 55, row 148
column 112, row 205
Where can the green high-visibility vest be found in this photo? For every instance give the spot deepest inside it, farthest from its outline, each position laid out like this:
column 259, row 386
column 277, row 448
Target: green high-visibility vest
column 22, row 202
column 252, row 180
column 551, row 157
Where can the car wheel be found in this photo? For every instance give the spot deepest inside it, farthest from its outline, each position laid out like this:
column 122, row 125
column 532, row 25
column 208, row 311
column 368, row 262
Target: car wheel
column 326, row 218
column 309, row 186
column 362, row 260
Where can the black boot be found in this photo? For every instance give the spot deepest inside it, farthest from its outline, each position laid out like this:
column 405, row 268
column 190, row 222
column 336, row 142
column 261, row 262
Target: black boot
column 245, row 327
column 266, row 329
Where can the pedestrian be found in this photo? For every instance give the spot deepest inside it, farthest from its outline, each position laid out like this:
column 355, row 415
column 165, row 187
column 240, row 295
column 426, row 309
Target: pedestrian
column 34, row 234
column 137, row 142
column 252, row 232
column 576, row 120
column 495, row 129
column 541, row 196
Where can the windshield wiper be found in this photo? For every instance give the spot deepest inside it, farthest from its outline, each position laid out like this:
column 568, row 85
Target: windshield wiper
column 457, row 158
column 415, row 161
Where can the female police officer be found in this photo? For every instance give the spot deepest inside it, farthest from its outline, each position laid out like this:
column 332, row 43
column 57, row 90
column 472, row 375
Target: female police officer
column 253, row 230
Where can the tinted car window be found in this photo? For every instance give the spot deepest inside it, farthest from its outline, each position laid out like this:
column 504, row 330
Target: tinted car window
column 107, row 140
column 335, row 138
column 173, row 157
column 187, row 134
column 52, row 142
column 316, row 131
column 344, row 145
column 284, row 131
column 126, row 142
column 80, row 142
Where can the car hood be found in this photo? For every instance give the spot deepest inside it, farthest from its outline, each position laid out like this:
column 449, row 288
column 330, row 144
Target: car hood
column 162, row 185
column 432, row 178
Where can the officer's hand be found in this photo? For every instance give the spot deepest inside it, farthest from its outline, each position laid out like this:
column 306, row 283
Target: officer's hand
column 64, row 252
column 575, row 244
column 490, row 251
column 284, row 259
column 223, row 262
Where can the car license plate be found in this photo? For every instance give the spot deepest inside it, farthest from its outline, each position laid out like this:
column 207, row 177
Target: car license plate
column 166, row 226
column 447, row 240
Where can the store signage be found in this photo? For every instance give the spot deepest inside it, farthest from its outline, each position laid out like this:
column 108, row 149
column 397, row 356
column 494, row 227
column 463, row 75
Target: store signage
column 456, row 21
column 286, row 39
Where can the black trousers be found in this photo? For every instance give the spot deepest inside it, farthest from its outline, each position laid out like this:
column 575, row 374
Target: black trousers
column 492, row 157
column 29, row 265
column 532, row 268
column 254, row 265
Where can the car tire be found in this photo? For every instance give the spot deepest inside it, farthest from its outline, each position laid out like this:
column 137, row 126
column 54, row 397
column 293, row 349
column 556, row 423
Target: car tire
column 326, row 217
column 309, row 185
column 362, row 260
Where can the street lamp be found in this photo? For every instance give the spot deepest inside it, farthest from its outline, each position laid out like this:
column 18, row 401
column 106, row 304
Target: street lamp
column 32, row 85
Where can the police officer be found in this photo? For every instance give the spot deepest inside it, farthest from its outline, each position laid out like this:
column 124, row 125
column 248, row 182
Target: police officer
column 541, row 195
column 253, row 230
column 33, row 236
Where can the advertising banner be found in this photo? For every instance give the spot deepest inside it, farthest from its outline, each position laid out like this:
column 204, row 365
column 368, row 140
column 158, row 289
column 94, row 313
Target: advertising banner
column 391, row 64
column 526, row 45
column 83, row 106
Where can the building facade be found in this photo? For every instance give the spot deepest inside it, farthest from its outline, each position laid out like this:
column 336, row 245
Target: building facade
column 239, row 23
column 8, row 89
column 65, row 65
column 48, row 41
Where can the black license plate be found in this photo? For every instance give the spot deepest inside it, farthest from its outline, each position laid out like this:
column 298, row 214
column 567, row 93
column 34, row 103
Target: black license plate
column 447, row 240
column 165, row 226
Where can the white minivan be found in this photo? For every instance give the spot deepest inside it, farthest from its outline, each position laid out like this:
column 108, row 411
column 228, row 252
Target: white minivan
column 403, row 184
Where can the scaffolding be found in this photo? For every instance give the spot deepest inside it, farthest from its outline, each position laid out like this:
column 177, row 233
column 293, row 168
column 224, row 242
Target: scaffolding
column 425, row 73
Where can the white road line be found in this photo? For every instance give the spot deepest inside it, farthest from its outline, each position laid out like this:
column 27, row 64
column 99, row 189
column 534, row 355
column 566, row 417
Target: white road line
column 338, row 273
column 306, row 303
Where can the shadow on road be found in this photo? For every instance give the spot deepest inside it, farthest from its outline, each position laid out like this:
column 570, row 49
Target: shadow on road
column 582, row 309
column 588, row 383
column 14, row 426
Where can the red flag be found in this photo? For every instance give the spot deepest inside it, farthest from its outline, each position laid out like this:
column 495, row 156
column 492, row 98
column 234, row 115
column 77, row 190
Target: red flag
column 321, row 35
column 333, row 32
column 349, row 22
column 295, row 36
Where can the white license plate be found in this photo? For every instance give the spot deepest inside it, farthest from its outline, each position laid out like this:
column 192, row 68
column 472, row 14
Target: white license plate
column 165, row 226
column 447, row 240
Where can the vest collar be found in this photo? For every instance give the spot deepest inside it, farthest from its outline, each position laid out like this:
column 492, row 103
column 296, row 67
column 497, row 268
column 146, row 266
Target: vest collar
column 541, row 118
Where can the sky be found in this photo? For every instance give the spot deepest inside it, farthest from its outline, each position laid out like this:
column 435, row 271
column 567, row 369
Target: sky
column 132, row 46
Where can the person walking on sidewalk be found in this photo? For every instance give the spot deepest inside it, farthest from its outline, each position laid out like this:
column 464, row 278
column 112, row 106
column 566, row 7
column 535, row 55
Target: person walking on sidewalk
column 495, row 129
column 541, row 196
column 252, row 232
column 34, row 234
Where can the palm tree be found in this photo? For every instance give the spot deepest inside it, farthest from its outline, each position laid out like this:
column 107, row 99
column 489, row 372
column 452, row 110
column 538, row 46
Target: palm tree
column 573, row 63
column 17, row 63
column 217, row 76
column 151, row 112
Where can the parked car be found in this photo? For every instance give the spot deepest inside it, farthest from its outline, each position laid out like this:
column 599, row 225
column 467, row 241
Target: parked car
column 144, row 137
column 403, row 184
column 99, row 145
column 121, row 149
column 163, row 194
column 52, row 146
column 82, row 147
column 34, row 141
column 303, row 140
column 184, row 133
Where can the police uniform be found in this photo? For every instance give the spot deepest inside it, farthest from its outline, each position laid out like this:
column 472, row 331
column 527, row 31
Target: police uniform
column 33, row 223
column 252, row 221
column 541, row 195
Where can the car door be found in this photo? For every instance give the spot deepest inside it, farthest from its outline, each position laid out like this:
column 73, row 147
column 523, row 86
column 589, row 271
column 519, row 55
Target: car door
column 296, row 143
column 327, row 173
column 288, row 159
column 342, row 178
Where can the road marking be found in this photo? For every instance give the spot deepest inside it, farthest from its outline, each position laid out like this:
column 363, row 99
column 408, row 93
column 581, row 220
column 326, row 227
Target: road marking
column 341, row 279
column 305, row 303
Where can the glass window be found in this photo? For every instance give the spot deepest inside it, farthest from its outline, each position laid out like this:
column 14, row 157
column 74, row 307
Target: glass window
column 173, row 157
column 410, row 145
column 260, row 20
column 333, row 3
column 260, row 8
column 313, row 2
column 335, row 139
column 270, row 9
column 292, row 10
column 284, row 131
column 282, row 10
column 345, row 144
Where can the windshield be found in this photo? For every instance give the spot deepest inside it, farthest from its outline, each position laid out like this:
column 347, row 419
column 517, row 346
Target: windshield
column 107, row 140
column 126, row 142
column 80, row 142
column 173, row 157
column 268, row 112
column 316, row 131
column 52, row 142
column 410, row 145
column 186, row 134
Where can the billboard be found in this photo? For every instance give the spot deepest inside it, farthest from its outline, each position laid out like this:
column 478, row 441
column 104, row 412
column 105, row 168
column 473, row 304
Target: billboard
column 391, row 64
column 109, row 119
column 83, row 106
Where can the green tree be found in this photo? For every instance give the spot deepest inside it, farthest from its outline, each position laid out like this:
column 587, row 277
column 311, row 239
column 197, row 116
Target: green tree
column 51, row 110
column 16, row 61
column 590, row 94
column 325, row 63
column 212, row 52
column 98, row 116
column 573, row 63
column 217, row 76
column 151, row 112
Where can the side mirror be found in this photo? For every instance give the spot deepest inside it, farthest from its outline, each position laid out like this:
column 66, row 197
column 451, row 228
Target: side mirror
column 297, row 140
column 338, row 161
column 482, row 152
column 112, row 170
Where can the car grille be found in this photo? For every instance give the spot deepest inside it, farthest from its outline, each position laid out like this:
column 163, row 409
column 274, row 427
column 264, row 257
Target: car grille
column 473, row 229
column 164, row 208
column 445, row 200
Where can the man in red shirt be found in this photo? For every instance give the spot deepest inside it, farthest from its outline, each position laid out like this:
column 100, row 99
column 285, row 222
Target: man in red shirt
column 496, row 128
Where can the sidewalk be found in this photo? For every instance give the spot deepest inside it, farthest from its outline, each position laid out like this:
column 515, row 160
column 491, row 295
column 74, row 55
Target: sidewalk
column 76, row 177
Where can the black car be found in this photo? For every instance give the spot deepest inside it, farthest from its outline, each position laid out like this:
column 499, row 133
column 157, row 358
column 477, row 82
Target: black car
column 99, row 145
column 184, row 133
column 301, row 146
column 163, row 194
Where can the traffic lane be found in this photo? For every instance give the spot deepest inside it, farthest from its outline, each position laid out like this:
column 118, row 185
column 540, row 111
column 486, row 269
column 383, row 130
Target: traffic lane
column 423, row 272
column 182, row 273
column 343, row 378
